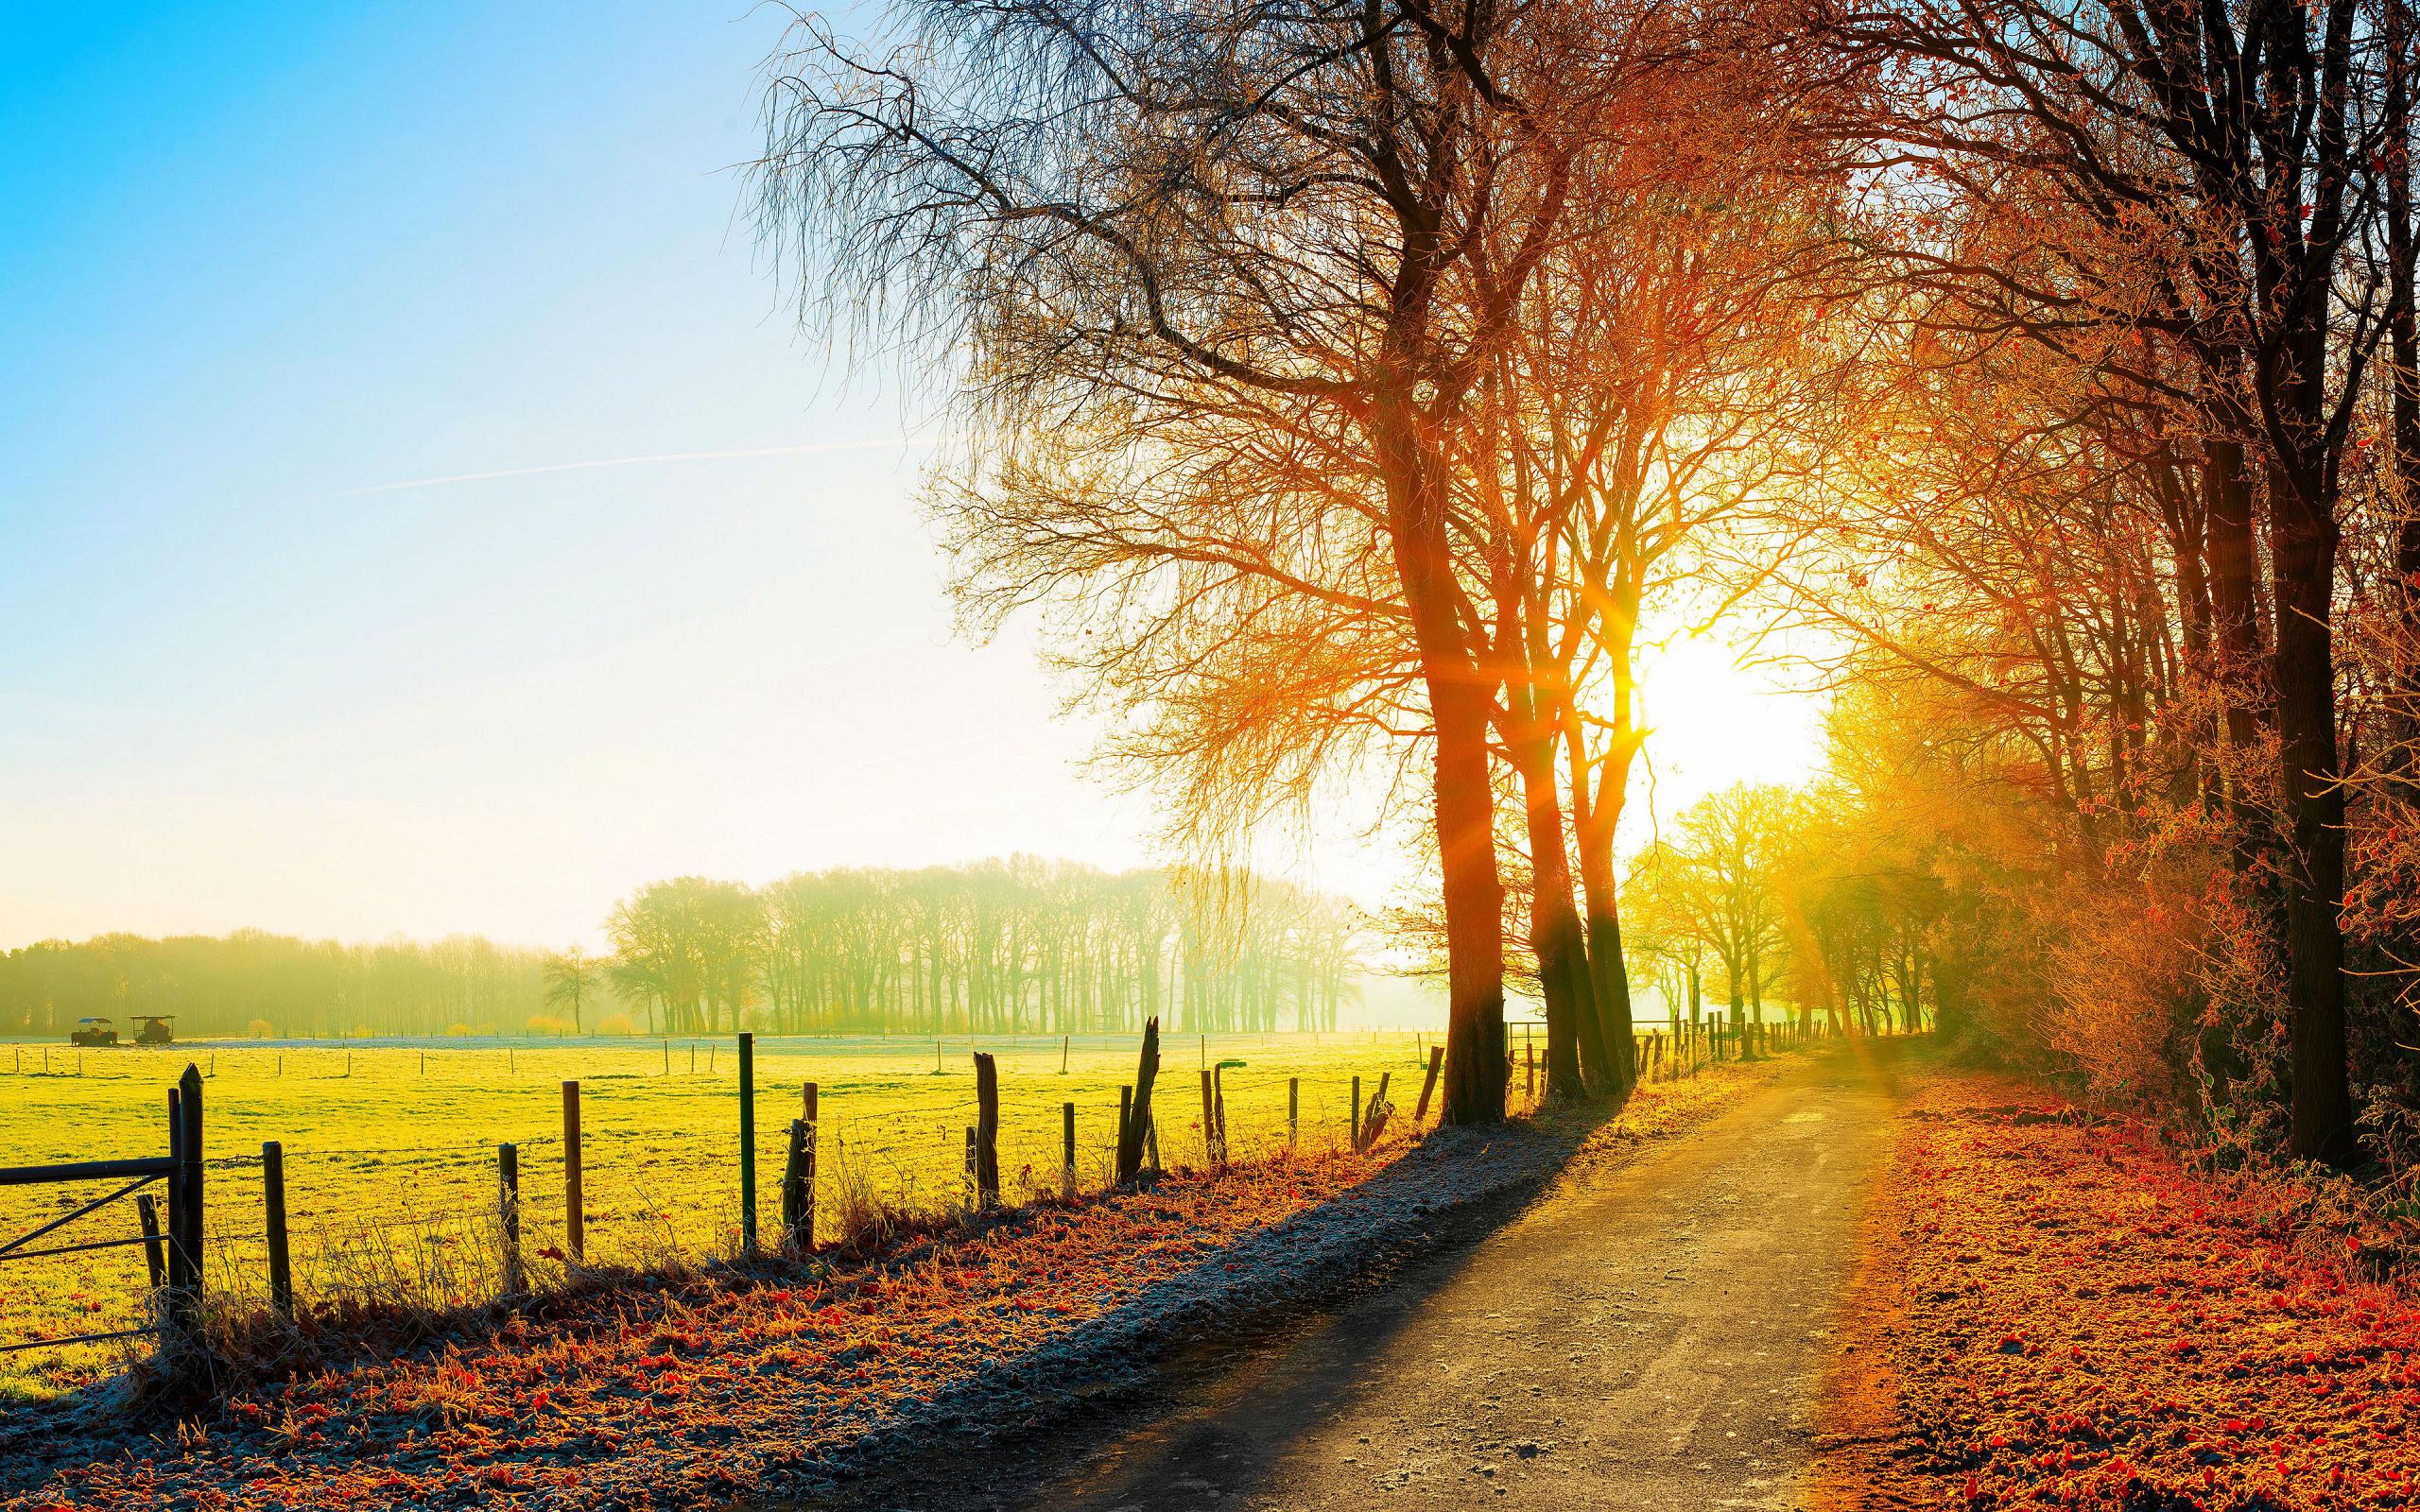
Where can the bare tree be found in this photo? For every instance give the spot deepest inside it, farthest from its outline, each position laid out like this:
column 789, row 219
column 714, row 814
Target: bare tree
column 1200, row 255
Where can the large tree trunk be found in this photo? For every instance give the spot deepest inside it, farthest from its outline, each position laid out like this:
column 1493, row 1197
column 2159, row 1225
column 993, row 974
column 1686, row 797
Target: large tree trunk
column 1474, row 899
column 1609, row 974
column 1460, row 701
column 2305, row 553
column 1554, row 924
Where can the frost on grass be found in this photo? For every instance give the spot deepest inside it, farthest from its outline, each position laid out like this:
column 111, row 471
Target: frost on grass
column 714, row 1386
column 2056, row 1313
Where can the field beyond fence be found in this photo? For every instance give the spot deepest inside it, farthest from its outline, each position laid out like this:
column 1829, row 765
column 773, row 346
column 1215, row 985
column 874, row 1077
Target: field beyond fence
column 390, row 1152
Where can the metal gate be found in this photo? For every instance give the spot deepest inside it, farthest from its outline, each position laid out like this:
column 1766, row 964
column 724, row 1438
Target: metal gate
column 174, row 1261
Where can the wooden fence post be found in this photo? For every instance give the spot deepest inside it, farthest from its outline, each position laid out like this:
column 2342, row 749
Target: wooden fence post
column 154, row 1255
column 1373, row 1118
column 1067, row 1151
column 747, row 1143
column 1436, row 1063
column 807, row 1098
column 1065, row 1043
column 1530, row 1052
column 187, row 1230
column 575, row 1213
column 1134, row 1118
column 507, row 1199
column 987, row 1129
column 281, row 1269
column 1293, row 1110
column 1210, row 1152
column 1354, row 1128
column 793, row 1180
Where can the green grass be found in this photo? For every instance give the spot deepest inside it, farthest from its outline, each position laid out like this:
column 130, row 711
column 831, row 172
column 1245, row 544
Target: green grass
column 391, row 1149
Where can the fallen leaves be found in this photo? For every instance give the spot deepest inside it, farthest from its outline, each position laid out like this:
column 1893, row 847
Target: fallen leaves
column 2056, row 1313
column 697, row 1390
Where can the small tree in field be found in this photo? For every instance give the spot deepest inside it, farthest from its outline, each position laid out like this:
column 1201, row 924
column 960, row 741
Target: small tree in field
column 571, row 979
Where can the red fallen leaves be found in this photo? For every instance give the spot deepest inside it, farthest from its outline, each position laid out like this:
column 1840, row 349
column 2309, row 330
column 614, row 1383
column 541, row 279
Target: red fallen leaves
column 2175, row 1348
column 661, row 1399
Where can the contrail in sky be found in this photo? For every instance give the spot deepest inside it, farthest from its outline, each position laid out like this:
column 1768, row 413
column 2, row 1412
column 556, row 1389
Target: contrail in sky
column 883, row 443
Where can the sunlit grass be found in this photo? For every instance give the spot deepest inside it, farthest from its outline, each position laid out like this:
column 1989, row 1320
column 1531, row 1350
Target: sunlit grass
column 390, row 1148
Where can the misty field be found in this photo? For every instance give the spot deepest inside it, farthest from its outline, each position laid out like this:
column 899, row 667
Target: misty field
column 391, row 1149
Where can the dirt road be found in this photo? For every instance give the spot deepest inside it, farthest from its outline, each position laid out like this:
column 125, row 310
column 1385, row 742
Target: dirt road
column 1648, row 1335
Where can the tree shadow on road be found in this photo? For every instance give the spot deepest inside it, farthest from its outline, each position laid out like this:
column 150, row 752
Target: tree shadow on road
column 1029, row 1425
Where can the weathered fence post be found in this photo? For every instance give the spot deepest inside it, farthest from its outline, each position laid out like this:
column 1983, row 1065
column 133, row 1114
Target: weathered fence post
column 1373, row 1118
column 1428, row 1086
column 187, row 1230
column 1354, row 1127
column 987, row 1129
column 793, row 1180
column 1218, row 1103
column 1065, row 1043
column 807, row 1100
column 574, row 1215
column 507, row 1178
column 1067, row 1151
column 747, row 1143
column 1134, row 1119
column 281, row 1269
column 1293, row 1110
column 1211, row 1154
column 154, row 1257
column 1530, row 1085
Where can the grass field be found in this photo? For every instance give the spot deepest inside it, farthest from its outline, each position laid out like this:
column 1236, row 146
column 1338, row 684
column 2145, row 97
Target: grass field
column 391, row 1149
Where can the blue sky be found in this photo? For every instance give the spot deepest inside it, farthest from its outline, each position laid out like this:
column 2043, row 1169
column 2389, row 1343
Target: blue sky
column 273, row 270
column 262, row 258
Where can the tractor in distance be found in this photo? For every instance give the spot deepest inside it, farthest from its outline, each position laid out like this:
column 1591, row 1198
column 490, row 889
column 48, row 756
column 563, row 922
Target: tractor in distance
column 92, row 1032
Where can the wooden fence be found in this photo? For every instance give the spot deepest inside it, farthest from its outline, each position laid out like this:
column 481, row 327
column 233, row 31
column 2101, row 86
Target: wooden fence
column 175, row 1259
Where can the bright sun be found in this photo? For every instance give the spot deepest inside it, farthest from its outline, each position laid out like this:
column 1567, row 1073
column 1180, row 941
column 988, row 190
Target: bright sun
column 1712, row 722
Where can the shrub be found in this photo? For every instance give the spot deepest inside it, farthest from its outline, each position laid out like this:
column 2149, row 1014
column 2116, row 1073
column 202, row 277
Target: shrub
column 457, row 1031
column 546, row 1024
column 616, row 1023
column 259, row 1029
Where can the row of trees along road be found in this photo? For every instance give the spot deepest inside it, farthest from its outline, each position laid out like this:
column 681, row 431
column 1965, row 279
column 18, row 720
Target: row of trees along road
column 1344, row 388
column 1021, row 945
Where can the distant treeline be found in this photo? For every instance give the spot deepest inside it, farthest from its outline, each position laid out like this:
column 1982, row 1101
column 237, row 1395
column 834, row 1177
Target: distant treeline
column 253, row 982
column 995, row 947
column 1002, row 946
